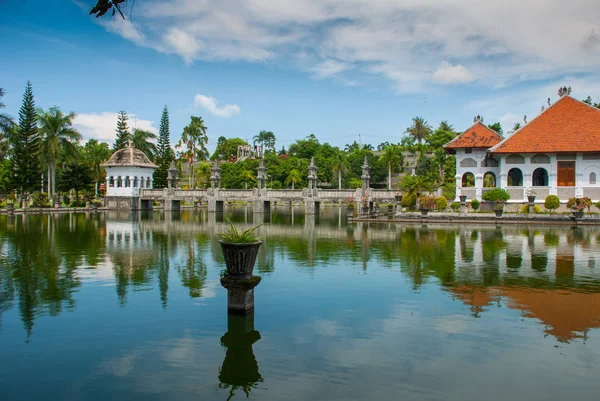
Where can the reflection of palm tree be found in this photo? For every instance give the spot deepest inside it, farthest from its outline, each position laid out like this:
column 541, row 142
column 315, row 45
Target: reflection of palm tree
column 193, row 273
column 240, row 368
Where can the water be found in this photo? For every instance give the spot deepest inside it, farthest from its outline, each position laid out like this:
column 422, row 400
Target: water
column 120, row 306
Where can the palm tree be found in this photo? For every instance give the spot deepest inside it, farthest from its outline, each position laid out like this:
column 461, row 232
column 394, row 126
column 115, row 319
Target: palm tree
column 143, row 140
column 96, row 153
column 391, row 156
column 293, row 177
column 419, row 130
column 340, row 166
column 445, row 126
column 57, row 134
column 266, row 140
column 194, row 138
column 6, row 121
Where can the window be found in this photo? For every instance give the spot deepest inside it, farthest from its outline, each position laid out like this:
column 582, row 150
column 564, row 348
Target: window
column 468, row 150
column 540, row 177
column 592, row 178
column 489, row 180
column 540, row 159
column 515, row 159
column 566, row 174
column 468, row 162
column 468, row 180
column 514, row 178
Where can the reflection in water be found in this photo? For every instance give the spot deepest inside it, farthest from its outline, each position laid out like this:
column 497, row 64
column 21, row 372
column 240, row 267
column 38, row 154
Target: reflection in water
column 239, row 370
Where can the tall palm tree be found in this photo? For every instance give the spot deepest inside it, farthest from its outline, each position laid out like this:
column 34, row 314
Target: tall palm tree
column 194, row 140
column 340, row 166
column 391, row 156
column 266, row 140
column 419, row 130
column 6, row 121
column 57, row 134
column 96, row 153
column 293, row 177
column 143, row 140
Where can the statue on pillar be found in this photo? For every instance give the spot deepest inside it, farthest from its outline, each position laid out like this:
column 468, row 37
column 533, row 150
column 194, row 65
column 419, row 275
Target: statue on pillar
column 366, row 175
column 312, row 175
column 262, row 175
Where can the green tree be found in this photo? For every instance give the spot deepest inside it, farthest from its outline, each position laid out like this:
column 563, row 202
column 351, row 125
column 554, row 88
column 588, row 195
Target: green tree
column 6, row 121
column 57, row 135
column 442, row 135
column 76, row 176
column 415, row 184
column 227, row 148
column 193, row 141
column 266, row 140
column 392, row 157
column 293, row 177
column 419, row 130
column 95, row 153
column 305, row 148
column 164, row 153
column 496, row 127
column 122, row 130
column 26, row 145
column 6, row 176
column 340, row 166
column 143, row 140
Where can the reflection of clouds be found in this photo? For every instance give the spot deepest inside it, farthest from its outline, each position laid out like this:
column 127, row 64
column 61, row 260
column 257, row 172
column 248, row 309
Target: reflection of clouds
column 120, row 366
column 327, row 328
column 103, row 271
column 452, row 324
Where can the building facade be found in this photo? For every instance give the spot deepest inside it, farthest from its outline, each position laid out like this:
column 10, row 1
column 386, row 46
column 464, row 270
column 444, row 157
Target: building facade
column 557, row 153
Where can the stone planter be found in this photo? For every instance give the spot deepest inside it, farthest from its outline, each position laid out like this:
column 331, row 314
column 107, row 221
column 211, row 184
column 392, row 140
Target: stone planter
column 10, row 207
column 424, row 212
column 95, row 207
column 498, row 213
column 240, row 258
column 390, row 209
column 398, row 198
column 577, row 214
column 530, row 198
column 463, row 198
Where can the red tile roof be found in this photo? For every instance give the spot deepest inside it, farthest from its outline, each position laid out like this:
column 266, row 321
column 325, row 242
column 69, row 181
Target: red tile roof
column 567, row 126
column 477, row 136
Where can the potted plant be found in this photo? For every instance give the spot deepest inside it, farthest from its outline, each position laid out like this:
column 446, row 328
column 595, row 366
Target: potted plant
column 240, row 249
column 427, row 203
column 463, row 198
column 95, row 204
column 498, row 197
column 10, row 206
column 499, row 207
column 578, row 205
column 531, row 195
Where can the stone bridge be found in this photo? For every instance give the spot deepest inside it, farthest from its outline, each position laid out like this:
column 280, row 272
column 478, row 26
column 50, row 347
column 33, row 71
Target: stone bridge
column 262, row 197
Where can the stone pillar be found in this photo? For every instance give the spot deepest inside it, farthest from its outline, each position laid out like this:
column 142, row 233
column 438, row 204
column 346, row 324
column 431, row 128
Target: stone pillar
column 458, row 178
column 478, row 186
column 579, row 175
column 552, row 175
column 312, row 178
column 240, row 293
column 312, row 206
column 261, row 176
column 366, row 175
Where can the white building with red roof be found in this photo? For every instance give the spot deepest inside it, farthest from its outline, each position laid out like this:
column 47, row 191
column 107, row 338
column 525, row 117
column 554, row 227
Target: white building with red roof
column 556, row 153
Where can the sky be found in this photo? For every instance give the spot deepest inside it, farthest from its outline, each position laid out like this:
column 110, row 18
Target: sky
column 341, row 69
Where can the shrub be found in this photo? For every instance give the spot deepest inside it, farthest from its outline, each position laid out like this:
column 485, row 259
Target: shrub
column 441, row 203
column 525, row 209
column 495, row 195
column 409, row 199
column 597, row 205
column 455, row 206
column 475, row 204
column 40, row 199
column 428, row 202
column 552, row 202
column 578, row 204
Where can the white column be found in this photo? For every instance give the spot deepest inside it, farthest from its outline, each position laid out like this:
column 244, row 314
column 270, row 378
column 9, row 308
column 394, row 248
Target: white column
column 478, row 186
column 501, row 177
column 151, row 182
column 458, row 187
column 527, row 176
column 552, row 175
column 579, row 175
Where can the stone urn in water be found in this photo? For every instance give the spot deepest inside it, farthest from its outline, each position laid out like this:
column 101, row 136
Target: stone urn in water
column 240, row 249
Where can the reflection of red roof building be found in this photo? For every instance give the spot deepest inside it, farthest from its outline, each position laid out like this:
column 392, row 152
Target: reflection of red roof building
column 567, row 126
column 567, row 315
column 477, row 136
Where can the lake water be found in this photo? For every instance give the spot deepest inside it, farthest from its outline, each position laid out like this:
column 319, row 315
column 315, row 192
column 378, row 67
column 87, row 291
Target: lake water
column 121, row 306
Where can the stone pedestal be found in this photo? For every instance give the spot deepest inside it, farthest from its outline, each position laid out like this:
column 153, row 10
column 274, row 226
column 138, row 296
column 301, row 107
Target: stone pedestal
column 463, row 208
column 313, row 206
column 215, row 205
column 240, row 293
column 261, row 206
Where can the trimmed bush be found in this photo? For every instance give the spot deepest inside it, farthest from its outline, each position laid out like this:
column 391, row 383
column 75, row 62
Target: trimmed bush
column 441, row 203
column 525, row 209
column 409, row 199
column 455, row 206
column 552, row 202
column 475, row 204
column 495, row 195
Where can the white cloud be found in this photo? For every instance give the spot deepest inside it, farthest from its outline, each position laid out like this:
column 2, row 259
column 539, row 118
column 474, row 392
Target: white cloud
column 124, row 28
column 448, row 74
column 101, row 126
column 210, row 104
column 407, row 42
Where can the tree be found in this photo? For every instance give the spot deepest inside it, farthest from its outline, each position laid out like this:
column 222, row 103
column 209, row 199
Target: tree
column 293, row 177
column 305, row 148
column 266, row 140
column 95, row 153
column 442, row 135
column 164, row 153
column 76, row 176
column 26, row 145
column 6, row 121
column 142, row 140
column 496, row 127
column 104, row 6
column 227, row 148
column 194, row 140
column 419, row 130
column 57, row 134
column 122, row 130
column 415, row 184
column 392, row 157
column 340, row 166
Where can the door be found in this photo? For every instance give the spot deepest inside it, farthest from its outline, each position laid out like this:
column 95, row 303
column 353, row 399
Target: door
column 566, row 174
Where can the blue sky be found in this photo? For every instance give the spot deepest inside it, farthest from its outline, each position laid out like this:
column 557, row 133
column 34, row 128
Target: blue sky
column 329, row 67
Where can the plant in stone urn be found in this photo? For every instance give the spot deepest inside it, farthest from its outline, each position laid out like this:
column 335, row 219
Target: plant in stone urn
column 427, row 203
column 578, row 205
column 531, row 194
column 240, row 249
column 498, row 197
